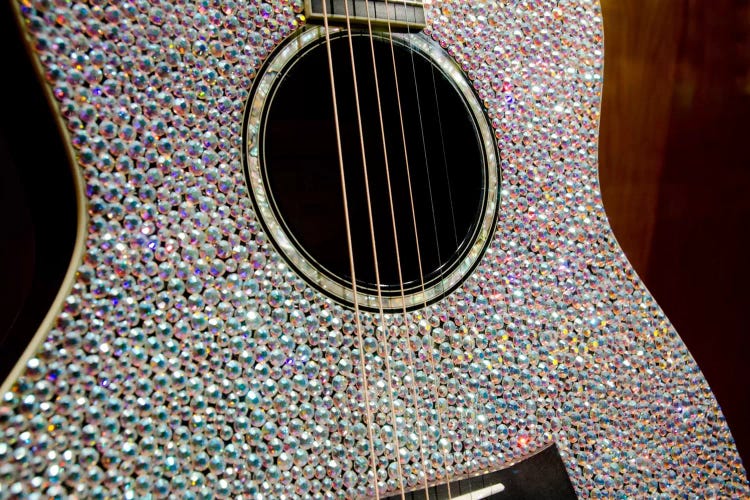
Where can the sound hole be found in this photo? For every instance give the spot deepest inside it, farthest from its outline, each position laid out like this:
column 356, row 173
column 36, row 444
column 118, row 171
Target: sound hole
column 446, row 164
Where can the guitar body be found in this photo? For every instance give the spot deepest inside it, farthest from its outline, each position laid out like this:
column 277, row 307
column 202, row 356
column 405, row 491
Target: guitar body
column 188, row 354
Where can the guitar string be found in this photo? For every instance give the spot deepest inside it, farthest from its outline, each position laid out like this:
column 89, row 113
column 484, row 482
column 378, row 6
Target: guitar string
column 424, row 151
column 450, row 195
column 445, row 157
column 357, row 321
column 430, row 356
column 381, row 311
column 410, row 347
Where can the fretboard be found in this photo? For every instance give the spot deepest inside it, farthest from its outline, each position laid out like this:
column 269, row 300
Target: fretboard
column 396, row 14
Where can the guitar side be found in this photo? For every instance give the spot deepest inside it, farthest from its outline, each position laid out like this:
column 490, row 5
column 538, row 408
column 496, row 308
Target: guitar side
column 50, row 253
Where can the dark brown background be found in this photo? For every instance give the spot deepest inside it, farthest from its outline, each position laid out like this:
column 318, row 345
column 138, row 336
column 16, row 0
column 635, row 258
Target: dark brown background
column 675, row 174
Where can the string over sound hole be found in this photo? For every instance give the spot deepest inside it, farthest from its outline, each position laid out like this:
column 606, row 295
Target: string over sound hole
column 438, row 168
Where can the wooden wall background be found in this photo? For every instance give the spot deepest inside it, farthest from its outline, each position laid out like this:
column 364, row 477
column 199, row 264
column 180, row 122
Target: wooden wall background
column 675, row 174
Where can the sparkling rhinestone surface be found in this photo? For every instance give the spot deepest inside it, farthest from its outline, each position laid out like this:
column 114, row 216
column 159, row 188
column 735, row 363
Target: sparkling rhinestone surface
column 189, row 360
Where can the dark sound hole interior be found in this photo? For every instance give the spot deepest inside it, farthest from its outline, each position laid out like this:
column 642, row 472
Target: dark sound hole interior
column 445, row 158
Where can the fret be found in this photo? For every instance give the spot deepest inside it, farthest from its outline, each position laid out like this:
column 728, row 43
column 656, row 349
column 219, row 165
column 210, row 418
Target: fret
column 401, row 14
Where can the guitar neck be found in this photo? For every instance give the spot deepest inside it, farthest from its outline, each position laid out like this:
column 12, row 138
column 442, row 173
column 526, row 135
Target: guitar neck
column 384, row 14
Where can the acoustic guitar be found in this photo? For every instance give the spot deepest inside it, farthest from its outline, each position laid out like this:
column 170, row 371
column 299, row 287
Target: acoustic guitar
column 344, row 249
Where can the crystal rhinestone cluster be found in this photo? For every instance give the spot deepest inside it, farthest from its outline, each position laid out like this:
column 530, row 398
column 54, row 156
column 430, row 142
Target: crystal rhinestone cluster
column 188, row 360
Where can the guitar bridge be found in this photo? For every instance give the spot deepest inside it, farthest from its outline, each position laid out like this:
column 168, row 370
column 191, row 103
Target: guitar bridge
column 540, row 475
column 398, row 15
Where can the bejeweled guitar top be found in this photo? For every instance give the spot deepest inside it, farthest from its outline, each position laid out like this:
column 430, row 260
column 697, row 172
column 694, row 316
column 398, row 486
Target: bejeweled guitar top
column 193, row 350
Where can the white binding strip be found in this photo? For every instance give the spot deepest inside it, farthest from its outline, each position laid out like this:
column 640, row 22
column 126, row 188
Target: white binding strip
column 483, row 493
